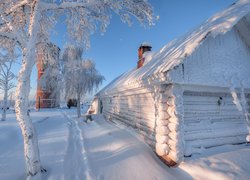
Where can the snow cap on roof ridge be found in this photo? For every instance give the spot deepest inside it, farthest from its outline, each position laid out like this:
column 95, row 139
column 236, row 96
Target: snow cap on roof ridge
column 220, row 23
column 147, row 44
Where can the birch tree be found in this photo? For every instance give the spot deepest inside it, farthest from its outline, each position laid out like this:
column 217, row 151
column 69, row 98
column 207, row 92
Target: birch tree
column 80, row 76
column 25, row 23
column 7, row 58
column 6, row 84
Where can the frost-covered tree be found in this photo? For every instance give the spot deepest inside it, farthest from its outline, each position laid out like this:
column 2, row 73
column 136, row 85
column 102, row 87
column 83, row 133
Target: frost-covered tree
column 51, row 79
column 25, row 23
column 6, row 84
column 7, row 58
column 80, row 76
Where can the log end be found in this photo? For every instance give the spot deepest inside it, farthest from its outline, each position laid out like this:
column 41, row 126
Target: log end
column 168, row 161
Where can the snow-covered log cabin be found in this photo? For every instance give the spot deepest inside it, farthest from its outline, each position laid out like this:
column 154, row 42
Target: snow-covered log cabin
column 192, row 94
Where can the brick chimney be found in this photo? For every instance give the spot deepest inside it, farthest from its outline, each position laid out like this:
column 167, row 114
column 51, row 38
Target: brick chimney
column 44, row 96
column 142, row 49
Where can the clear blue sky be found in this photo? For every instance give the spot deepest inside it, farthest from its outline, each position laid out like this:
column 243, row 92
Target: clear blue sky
column 115, row 52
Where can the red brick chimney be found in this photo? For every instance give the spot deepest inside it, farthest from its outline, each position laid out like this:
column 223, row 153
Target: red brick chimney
column 142, row 49
column 44, row 97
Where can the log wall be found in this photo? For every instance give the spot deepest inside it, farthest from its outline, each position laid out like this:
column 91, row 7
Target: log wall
column 177, row 122
column 212, row 119
column 146, row 111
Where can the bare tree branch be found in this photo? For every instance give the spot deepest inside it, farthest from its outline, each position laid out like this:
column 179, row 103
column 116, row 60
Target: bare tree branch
column 13, row 37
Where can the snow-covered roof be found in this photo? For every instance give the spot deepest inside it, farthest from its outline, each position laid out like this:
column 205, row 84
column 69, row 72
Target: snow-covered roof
column 173, row 54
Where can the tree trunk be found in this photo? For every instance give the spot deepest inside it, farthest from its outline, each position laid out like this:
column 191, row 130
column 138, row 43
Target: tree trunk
column 78, row 105
column 5, row 99
column 31, row 151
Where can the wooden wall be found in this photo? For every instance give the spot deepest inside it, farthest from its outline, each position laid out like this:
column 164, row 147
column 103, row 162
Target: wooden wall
column 178, row 123
column 135, row 110
column 212, row 119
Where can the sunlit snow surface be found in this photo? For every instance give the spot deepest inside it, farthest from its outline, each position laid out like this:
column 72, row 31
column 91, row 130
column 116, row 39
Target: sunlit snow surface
column 102, row 149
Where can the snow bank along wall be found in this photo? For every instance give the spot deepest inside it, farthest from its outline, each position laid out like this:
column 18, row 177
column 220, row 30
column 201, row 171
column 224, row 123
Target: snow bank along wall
column 194, row 93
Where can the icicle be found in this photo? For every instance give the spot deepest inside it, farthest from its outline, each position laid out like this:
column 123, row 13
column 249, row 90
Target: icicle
column 245, row 112
column 236, row 100
column 241, row 106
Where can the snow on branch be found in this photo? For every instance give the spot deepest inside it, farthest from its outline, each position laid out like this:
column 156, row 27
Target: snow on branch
column 46, row 6
column 84, row 17
column 12, row 37
column 14, row 5
column 81, row 76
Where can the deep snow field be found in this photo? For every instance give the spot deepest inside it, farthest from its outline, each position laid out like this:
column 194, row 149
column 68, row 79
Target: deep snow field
column 72, row 149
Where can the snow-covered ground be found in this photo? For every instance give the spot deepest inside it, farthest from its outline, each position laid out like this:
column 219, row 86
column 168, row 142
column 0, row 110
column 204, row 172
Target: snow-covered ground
column 72, row 149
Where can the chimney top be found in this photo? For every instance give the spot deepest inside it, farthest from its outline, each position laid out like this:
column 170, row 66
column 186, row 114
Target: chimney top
column 146, row 44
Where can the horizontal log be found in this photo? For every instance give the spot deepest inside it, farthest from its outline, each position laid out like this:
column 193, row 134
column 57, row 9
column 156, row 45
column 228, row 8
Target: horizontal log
column 135, row 117
column 211, row 118
column 237, row 131
column 161, row 149
column 124, row 120
column 133, row 114
column 217, row 126
column 174, row 144
column 208, row 143
column 137, row 102
column 149, row 137
column 163, row 139
column 171, row 111
column 134, row 124
column 146, row 126
column 139, row 114
column 162, row 130
column 173, row 127
column 211, row 112
column 176, row 156
column 163, row 115
column 174, row 135
column 160, row 122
